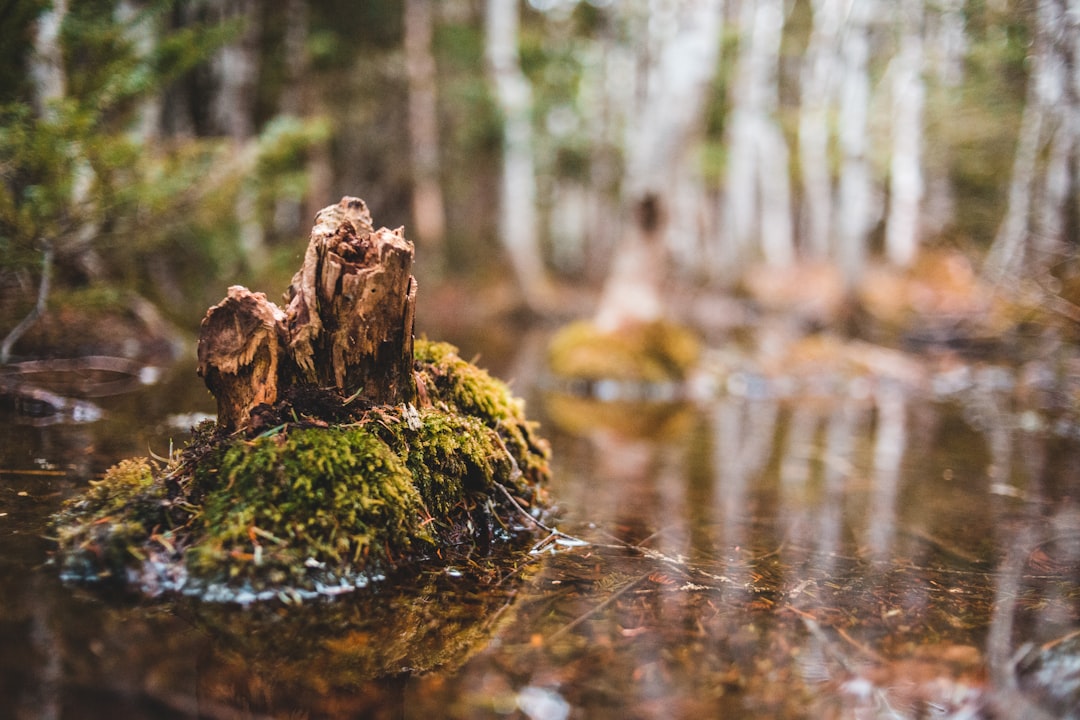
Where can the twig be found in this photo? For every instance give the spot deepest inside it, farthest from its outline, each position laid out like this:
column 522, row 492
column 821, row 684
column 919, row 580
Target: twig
column 597, row 608
column 552, row 532
column 38, row 309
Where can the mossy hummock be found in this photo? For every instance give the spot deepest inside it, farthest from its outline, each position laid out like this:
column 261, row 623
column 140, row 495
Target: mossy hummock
column 335, row 457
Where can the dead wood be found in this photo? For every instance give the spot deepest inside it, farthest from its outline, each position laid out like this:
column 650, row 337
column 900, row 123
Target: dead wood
column 348, row 324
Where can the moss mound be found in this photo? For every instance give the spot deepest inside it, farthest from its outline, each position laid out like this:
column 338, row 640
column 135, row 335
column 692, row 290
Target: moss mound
column 316, row 505
column 653, row 352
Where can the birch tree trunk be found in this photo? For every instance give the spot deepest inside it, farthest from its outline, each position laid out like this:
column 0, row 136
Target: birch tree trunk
column 1034, row 225
column 47, row 60
column 143, row 32
column 758, row 182
column 946, row 49
column 518, row 215
column 234, row 109
column 908, row 99
column 297, row 100
column 679, row 69
column 854, row 214
column 428, row 210
column 819, row 75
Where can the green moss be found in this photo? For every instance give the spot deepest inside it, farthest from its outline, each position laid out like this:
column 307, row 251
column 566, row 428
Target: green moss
column 451, row 457
column 114, row 518
column 466, row 390
column 647, row 352
column 333, row 497
column 311, row 503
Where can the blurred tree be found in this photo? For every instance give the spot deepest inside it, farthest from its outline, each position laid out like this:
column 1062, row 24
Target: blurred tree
column 902, row 227
column 676, row 64
column 758, row 195
column 519, row 222
column 428, row 211
column 1043, row 193
column 90, row 191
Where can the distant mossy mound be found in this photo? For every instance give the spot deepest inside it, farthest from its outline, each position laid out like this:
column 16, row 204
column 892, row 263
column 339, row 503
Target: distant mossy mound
column 642, row 353
column 343, row 447
column 310, row 506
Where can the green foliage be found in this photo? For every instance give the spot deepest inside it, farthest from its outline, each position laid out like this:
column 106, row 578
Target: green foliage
column 16, row 34
column 81, row 178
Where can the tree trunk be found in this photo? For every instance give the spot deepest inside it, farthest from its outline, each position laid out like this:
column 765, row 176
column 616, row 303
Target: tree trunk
column 819, row 74
column 855, row 194
column 234, row 108
column 429, row 214
column 906, row 176
column 47, row 60
column 1032, row 228
column 518, row 216
column 348, row 324
column 679, row 65
column 758, row 185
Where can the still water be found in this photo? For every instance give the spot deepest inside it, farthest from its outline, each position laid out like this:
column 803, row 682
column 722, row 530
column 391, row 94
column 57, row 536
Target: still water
column 828, row 545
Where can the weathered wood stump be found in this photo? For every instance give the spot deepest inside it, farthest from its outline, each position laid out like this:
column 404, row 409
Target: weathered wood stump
column 348, row 323
column 342, row 449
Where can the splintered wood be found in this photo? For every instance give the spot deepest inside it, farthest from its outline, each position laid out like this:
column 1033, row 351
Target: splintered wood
column 348, row 323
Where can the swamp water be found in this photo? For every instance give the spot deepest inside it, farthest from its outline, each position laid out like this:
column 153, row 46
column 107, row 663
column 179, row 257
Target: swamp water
column 843, row 547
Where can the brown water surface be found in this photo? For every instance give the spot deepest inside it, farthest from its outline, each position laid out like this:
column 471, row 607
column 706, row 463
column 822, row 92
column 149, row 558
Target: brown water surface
column 856, row 549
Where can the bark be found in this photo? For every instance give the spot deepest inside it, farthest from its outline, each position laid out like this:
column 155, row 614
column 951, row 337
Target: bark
column 818, row 95
column 240, row 354
column 679, row 66
column 238, row 70
column 855, row 194
column 906, row 175
column 758, row 185
column 297, row 100
column 47, row 61
column 348, row 324
column 428, row 209
column 518, row 215
column 351, row 306
column 1034, row 224
column 141, row 30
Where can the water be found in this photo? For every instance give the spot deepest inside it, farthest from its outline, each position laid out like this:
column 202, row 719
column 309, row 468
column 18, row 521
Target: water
column 826, row 545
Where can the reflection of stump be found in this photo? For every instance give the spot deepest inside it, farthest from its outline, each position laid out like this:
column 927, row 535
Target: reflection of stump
column 348, row 324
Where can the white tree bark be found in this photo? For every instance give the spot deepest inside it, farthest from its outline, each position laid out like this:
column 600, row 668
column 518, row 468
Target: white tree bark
column 237, row 66
column 855, row 197
column 143, row 33
column 820, row 72
column 47, row 60
column 677, row 72
column 908, row 99
column 428, row 209
column 518, row 215
column 758, row 183
column 1033, row 226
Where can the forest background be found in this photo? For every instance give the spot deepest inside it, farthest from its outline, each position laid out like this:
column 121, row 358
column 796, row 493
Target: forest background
column 619, row 159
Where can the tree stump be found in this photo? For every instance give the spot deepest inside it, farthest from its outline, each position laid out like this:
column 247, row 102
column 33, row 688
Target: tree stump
column 342, row 449
column 348, row 324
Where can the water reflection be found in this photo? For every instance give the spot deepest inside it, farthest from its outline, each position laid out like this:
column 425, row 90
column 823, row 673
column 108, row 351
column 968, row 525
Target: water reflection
column 876, row 550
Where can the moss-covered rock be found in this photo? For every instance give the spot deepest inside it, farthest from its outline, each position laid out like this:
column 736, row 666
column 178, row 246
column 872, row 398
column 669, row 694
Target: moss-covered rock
column 329, row 497
column 653, row 352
